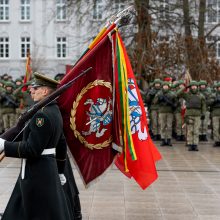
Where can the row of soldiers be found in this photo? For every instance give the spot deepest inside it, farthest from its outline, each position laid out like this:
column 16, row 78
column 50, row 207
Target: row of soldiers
column 13, row 102
column 14, row 99
column 184, row 112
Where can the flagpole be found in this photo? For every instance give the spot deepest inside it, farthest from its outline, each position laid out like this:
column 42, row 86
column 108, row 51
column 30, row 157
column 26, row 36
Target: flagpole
column 110, row 25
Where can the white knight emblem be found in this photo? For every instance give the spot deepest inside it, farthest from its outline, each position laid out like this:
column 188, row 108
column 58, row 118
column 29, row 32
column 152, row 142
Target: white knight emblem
column 135, row 111
column 99, row 114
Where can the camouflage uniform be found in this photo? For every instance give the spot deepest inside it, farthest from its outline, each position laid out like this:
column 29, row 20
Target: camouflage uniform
column 195, row 112
column 19, row 95
column 215, row 115
column 179, row 116
column 204, row 123
column 9, row 104
column 153, row 109
column 166, row 100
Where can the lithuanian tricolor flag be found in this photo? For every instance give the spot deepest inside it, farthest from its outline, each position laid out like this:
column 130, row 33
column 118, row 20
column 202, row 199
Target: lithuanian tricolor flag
column 139, row 153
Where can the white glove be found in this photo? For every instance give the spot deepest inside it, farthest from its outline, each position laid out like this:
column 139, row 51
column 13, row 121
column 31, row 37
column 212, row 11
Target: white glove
column 2, row 144
column 62, row 179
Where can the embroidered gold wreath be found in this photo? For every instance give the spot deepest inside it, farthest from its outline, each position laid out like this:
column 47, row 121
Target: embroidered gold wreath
column 73, row 115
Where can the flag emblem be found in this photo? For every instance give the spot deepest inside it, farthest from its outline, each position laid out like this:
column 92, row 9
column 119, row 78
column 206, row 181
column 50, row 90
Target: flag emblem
column 39, row 122
column 94, row 106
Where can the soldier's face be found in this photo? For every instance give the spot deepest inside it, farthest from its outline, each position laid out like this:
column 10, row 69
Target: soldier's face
column 202, row 86
column 193, row 87
column 18, row 83
column 38, row 93
column 165, row 87
column 9, row 89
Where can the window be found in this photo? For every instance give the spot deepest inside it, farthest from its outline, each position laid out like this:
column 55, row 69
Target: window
column 119, row 5
column 164, row 9
column 25, row 10
column 213, row 11
column 61, row 10
column 218, row 50
column 25, row 46
column 61, row 47
column 98, row 10
column 4, row 10
column 4, row 47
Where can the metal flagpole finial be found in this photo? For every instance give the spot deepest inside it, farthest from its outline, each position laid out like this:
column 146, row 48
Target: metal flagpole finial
column 123, row 17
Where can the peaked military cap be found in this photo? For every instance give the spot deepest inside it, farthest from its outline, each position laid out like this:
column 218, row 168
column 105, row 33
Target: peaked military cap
column 217, row 84
column 42, row 80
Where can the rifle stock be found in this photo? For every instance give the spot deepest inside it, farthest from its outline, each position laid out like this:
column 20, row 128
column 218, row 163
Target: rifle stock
column 12, row 133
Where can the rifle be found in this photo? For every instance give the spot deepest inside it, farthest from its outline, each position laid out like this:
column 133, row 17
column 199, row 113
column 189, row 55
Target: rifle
column 9, row 99
column 12, row 133
column 168, row 101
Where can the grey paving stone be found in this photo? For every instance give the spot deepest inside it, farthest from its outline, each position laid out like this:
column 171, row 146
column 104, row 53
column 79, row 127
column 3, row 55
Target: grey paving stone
column 188, row 188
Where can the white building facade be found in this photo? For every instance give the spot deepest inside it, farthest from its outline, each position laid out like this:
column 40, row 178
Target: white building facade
column 51, row 33
column 38, row 27
column 48, row 30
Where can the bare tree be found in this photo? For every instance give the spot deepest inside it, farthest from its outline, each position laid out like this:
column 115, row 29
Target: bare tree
column 163, row 37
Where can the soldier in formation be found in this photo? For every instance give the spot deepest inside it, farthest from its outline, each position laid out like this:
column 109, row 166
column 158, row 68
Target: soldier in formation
column 13, row 101
column 215, row 114
column 153, row 109
column 187, row 110
column 165, row 98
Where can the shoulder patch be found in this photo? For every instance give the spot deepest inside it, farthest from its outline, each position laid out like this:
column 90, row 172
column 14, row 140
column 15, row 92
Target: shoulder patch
column 39, row 122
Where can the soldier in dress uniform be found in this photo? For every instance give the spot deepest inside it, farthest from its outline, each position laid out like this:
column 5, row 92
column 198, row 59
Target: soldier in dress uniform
column 215, row 114
column 195, row 112
column 39, row 192
column 166, row 100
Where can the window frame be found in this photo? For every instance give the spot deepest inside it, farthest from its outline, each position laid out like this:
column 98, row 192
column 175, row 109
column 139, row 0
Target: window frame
column 25, row 46
column 5, row 10
column 212, row 12
column 61, row 10
column 61, row 47
column 164, row 14
column 26, row 7
column 4, row 47
column 98, row 10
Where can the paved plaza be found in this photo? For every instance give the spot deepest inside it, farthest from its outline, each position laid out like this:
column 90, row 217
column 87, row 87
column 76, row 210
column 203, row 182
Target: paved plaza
column 188, row 188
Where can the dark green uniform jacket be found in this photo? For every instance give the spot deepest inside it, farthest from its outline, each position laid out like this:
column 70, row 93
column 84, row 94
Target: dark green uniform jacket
column 215, row 104
column 166, row 101
column 40, row 195
column 195, row 103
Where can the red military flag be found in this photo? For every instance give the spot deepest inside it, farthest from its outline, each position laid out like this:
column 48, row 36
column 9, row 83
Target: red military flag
column 139, row 153
column 87, row 112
